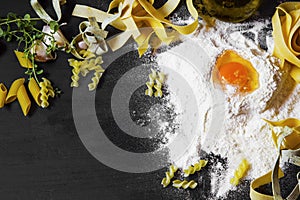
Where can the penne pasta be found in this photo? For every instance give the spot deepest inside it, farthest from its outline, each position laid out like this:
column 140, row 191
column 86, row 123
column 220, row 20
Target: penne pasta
column 24, row 62
column 12, row 93
column 24, row 100
column 3, row 93
column 35, row 91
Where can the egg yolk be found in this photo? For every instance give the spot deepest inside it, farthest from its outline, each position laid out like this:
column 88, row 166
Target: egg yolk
column 234, row 73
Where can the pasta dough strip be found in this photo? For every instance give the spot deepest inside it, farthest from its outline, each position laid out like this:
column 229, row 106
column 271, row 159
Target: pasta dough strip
column 24, row 100
column 35, row 91
column 3, row 93
column 43, row 14
column 13, row 90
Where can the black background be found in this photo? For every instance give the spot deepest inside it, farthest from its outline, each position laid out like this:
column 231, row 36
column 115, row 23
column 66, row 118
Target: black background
column 42, row 157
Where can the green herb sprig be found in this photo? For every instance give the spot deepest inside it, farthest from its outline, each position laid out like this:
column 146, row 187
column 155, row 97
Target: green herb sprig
column 23, row 30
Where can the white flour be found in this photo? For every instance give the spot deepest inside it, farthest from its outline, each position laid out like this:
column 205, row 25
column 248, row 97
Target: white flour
column 244, row 134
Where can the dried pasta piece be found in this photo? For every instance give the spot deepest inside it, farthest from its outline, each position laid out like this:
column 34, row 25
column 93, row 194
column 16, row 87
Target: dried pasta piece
column 3, row 93
column 150, row 83
column 46, row 91
column 240, row 172
column 43, row 14
column 12, row 93
column 23, row 99
column 34, row 89
column 169, row 175
column 185, row 184
column 135, row 15
column 24, row 62
column 75, row 71
column 95, row 80
column 290, row 142
column 196, row 167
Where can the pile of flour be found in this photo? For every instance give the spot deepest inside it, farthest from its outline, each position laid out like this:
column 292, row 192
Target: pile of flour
column 243, row 133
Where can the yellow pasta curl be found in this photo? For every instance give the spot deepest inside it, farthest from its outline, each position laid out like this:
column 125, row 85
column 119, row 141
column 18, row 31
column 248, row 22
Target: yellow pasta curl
column 185, row 184
column 75, row 71
column 150, row 83
column 196, row 167
column 24, row 100
column 46, row 91
column 3, row 93
column 240, row 172
column 169, row 175
column 95, row 80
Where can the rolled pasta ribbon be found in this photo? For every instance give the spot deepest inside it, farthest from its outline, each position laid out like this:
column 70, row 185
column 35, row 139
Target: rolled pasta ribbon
column 134, row 15
column 3, row 93
column 24, row 100
column 35, row 91
column 13, row 90
column 43, row 14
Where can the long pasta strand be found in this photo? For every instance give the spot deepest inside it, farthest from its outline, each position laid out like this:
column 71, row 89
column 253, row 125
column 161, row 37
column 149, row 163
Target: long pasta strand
column 169, row 175
column 185, row 184
column 196, row 167
column 240, row 172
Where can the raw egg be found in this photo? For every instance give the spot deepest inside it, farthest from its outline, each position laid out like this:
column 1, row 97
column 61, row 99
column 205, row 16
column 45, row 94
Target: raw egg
column 233, row 70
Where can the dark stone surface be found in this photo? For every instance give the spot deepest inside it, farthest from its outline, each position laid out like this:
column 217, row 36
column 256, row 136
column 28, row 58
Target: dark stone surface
column 42, row 157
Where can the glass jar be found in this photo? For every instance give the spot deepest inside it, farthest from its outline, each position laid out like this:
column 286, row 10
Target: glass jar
column 228, row 10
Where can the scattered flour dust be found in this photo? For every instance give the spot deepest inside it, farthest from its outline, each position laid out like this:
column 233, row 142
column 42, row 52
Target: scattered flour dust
column 243, row 134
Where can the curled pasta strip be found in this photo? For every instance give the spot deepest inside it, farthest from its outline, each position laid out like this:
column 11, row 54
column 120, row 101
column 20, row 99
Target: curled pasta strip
column 150, row 83
column 3, row 93
column 95, row 80
column 196, row 167
column 46, row 91
column 185, row 184
column 159, row 81
column 75, row 71
column 169, row 175
column 240, row 172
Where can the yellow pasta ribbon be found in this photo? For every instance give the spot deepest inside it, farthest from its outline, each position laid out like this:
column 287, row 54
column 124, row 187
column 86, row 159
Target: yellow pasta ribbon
column 95, row 80
column 3, row 93
column 13, row 90
column 34, row 89
column 24, row 100
column 169, row 175
column 290, row 142
column 286, row 33
column 185, row 184
column 240, row 172
column 24, row 62
column 135, row 15
column 196, row 167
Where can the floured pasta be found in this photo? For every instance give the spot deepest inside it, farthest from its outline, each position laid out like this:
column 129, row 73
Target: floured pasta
column 159, row 81
column 196, row 167
column 3, row 93
column 185, row 184
column 240, row 172
column 169, row 175
column 150, row 83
